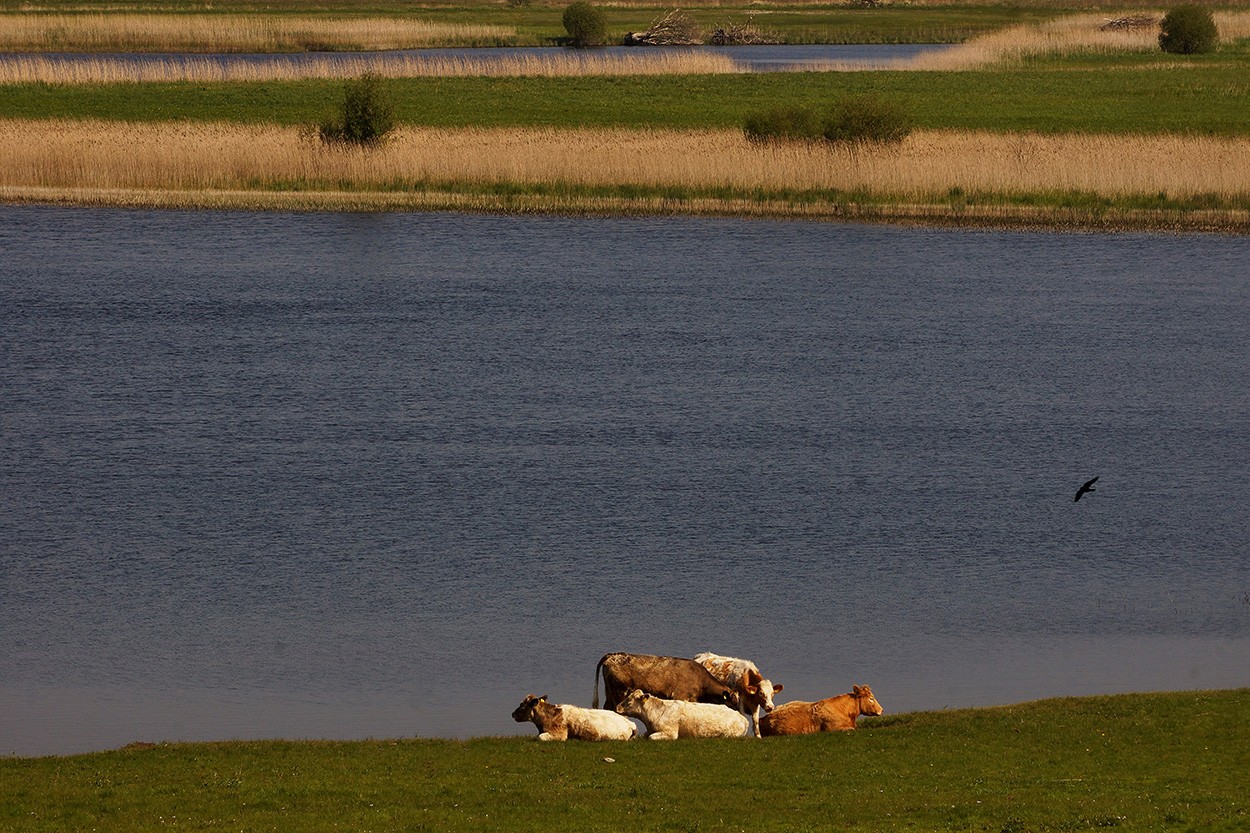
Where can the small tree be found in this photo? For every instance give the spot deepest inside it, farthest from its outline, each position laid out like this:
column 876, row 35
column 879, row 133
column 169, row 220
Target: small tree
column 866, row 119
column 585, row 24
column 366, row 117
column 1188, row 30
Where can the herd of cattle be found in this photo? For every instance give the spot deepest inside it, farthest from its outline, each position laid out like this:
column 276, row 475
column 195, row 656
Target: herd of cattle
column 708, row 696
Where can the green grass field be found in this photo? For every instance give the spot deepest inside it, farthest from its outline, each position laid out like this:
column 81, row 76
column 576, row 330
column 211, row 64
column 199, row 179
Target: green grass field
column 1150, row 762
column 1206, row 97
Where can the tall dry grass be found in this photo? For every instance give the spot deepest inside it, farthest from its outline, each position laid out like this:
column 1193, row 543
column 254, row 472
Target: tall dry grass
column 92, row 154
column 31, row 69
column 128, row 32
column 1070, row 35
column 1073, row 35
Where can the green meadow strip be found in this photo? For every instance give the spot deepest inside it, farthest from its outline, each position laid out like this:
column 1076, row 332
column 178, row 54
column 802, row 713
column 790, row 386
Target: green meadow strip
column 1150, row 762
column 1204, row 98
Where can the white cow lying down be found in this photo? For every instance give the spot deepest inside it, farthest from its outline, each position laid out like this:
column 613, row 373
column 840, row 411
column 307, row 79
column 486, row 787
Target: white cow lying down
column 562, row 721
column 672, row 719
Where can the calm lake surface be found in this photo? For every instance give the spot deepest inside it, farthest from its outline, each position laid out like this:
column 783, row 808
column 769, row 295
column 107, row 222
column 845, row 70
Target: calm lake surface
column 341, row 476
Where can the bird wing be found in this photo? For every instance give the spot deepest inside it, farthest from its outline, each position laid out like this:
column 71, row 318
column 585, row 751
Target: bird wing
column 1090, row 483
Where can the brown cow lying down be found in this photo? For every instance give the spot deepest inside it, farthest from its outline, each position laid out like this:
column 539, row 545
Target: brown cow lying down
column 561, row 722
column 671, row 678
column 833, row 714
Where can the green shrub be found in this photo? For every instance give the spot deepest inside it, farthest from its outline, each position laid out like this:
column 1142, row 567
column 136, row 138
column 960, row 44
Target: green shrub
column 366, row 117
column 1188, row 30
column 867, row 119
column 585, row 24
column 856, row 120
column 784, row 123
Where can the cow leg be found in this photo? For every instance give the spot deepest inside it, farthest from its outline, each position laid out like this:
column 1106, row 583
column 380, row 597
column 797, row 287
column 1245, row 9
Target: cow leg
column 612, row 695
column 755, row 721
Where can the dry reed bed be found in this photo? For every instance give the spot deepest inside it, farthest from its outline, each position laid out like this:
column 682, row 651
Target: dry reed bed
column 1079, row 34
column 30, row 69
column 102, row 155
column 1074, row 34
column 123, row 32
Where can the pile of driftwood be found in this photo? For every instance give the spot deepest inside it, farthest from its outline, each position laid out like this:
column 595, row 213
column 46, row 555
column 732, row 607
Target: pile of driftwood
column 676, row 28
column 734, row 34
column 1130, row 23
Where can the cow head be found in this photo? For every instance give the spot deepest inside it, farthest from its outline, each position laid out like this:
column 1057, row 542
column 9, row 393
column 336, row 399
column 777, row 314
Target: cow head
column 867, row 702
column 759, row 691
column 526, row 710
column 631, row 704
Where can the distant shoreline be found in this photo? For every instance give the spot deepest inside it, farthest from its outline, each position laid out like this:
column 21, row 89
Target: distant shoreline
column 1056, row 219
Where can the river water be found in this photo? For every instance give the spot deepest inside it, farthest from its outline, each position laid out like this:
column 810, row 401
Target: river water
column 755, row 58
column 353, row 475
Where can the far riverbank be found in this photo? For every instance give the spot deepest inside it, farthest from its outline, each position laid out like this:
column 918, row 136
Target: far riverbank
column 954, row 214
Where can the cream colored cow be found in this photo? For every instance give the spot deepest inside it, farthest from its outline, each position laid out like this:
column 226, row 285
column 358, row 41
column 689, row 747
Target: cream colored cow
column 562, row 721
column 672, row 719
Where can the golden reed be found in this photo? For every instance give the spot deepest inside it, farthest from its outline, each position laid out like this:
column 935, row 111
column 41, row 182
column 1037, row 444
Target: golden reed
column 125, row 32
column 34, row 69
column 103, row 155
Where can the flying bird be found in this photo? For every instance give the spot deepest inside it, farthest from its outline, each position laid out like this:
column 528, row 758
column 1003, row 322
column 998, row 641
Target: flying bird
column 1088, row 487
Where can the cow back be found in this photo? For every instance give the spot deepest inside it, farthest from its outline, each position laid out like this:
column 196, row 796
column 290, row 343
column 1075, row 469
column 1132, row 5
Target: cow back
column 670, row 678
column 794, row 718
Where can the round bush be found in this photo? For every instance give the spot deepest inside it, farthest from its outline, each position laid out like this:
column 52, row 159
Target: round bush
column 783, row 123
column 366, row 117
column 585, row 24
column 867, row 119
column 1188, row 30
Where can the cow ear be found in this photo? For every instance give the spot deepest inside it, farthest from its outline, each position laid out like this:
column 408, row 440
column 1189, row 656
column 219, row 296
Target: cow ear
column 543, row 698
column 777, row 686
column 754, row 678
column 856, row 690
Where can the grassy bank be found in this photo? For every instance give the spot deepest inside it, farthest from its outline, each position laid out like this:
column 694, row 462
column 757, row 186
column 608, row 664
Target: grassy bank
column 1158, row 762
column 1203, row 97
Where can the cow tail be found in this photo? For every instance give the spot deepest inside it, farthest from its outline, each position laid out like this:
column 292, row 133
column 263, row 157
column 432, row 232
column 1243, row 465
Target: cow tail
column 594, row 704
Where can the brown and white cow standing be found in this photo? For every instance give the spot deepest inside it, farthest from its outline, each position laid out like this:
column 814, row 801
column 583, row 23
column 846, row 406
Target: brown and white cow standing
column 833, row 714
column 670, row 678
column 754, row 692
column 562, row 721
column 673, row 719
